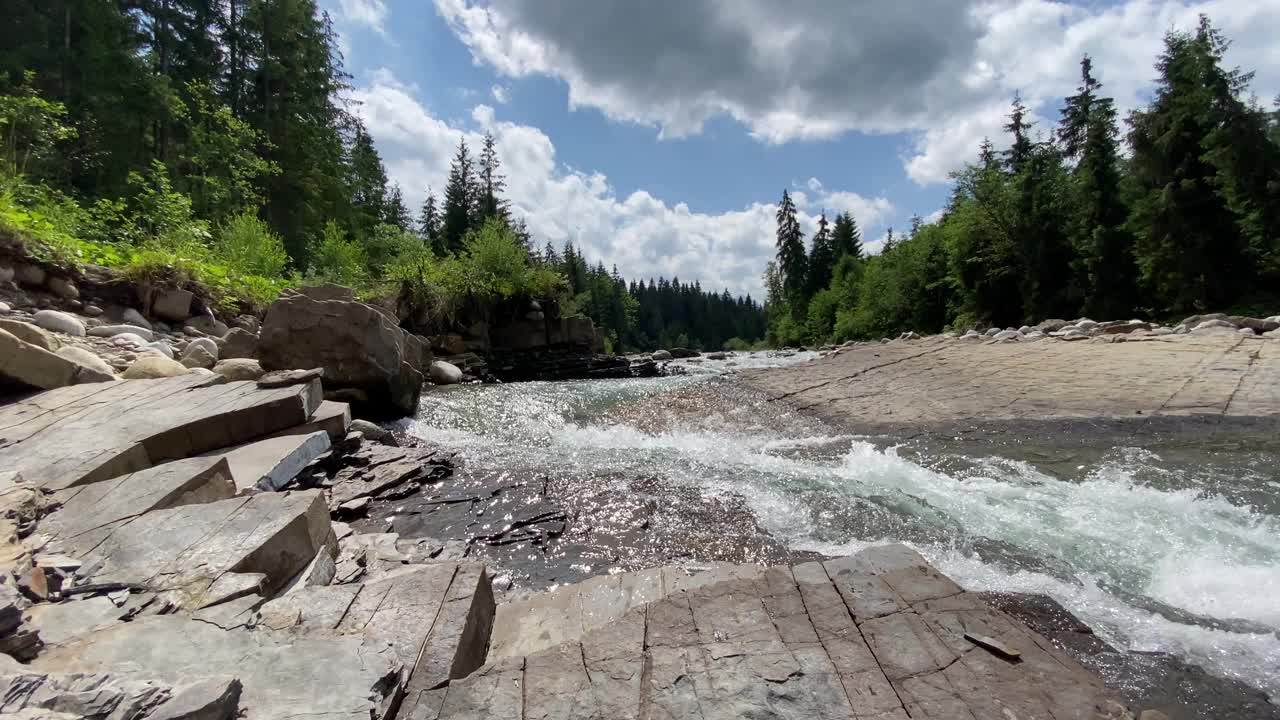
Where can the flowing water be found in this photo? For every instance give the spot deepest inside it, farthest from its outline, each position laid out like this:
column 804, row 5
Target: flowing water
column 1159, row 549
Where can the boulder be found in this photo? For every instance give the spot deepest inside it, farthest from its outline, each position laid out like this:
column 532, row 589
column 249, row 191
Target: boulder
column 133, row 317
column 1075, row 334
column 196, row 356
column 717, row 356
column 77, row 354
column 144, row 334
column 238, row 369
column 28, row 274
column 680, row 352
column 328, row 291
column 37, row 367
column 247, row 322
column 443, row 373
column 208, row 344
column 149, row 367
column 660, row 355
column 92, row 310
column 208, row 324
column 1212, row 325
column 1257, row 325
column 59, row 322
column 1008, row 335
column 63, row 288
column 29, row 333
column 172, row 304
column 239, row 343
column 128, row 339
column 1195, row 320
column 992, row 332
column 1086, row 324
column 160, row 347
column 370, row 431
column 356, row 344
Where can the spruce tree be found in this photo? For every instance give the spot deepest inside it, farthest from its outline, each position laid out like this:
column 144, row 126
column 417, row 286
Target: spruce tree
column 846, row 238
column 1106, row 275
column 822, row 258
column 395, row 212
column 1189, row 248
column 491, row 182
column 460, row 195
column 1020, row 151
column 429, row 224
column 791, row 255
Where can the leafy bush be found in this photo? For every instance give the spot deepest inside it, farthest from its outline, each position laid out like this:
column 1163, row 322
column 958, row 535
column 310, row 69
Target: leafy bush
column 337, row 258
column 246, row 245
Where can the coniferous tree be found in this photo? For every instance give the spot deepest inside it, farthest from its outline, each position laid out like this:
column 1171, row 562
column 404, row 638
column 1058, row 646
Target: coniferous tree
column 822, row 258
column 429, row 224
column 1107, row 275
column 791, row 255
column 1018, row 126
column 491, row 182
column 460, row 199
column 846, row 238
column 1189, row 248
column 395, row 212
column 368, row 185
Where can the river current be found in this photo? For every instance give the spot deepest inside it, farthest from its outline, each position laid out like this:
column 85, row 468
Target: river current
column 1157, row 549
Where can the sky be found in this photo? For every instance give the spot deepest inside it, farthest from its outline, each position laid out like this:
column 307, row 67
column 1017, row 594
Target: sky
column 660, row 135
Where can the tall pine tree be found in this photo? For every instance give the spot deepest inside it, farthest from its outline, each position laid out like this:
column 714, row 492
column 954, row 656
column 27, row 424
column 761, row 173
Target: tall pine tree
column 822, row 258
column 846, row 238
column 792, row 259
column 460, row 199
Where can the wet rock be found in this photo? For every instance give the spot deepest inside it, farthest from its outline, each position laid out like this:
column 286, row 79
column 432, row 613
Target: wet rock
column 238, row 369
column 79, row 355
column 371, row 431
column 356, row 344
column 680, row 353
column 59, row 322
column 239, row 343
column 661, row 355
column 443, row 373
column 717, row 356
column 92, row 310
column 172, row 304
column 137, row 331
column 150, row 367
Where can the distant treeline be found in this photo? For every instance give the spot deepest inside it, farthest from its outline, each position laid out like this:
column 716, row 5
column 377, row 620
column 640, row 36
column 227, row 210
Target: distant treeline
column 1064, row 223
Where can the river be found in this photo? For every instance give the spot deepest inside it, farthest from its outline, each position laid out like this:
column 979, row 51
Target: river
column 1157, row 549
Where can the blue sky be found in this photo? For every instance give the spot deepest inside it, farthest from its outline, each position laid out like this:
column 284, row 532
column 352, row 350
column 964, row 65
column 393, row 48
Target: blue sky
column 659, row 135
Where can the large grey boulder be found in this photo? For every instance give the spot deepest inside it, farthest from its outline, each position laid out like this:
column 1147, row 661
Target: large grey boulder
column 59, row 322
column 172, row 304
column 239, row 343
column 660, row 355
column 357, row 345
column 197, row 357
column 29, row 333
column 39, row 368
column 443, row 373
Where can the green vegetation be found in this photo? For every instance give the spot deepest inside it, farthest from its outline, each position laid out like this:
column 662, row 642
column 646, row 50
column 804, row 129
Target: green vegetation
column 1188, row 222
column 205, row 143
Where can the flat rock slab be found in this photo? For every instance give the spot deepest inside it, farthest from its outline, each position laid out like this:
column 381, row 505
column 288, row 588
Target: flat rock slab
column 283, row 676
column 877, row 635
column 943, row 380
column 186, row 552
column 87, row 433
column 332, row 417
column 96, row 509
column 270, row 464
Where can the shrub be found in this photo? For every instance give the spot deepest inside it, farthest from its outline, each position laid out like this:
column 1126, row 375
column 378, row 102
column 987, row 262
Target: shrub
column 246, row 245
column 337, row 258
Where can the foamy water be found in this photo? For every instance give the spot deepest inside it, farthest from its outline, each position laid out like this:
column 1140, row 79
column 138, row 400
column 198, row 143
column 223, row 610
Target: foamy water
column 1133, row 544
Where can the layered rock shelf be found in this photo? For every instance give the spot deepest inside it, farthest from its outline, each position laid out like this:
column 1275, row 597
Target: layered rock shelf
column 154, row 569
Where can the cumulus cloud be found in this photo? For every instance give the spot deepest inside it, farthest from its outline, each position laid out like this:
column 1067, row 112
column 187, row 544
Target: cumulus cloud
column 500, row 94
column 370, row 13
column 943, row 70
column 644, row 235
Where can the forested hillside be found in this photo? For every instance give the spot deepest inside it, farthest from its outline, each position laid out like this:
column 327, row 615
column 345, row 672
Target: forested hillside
column 1178, row 212
column 210, row 142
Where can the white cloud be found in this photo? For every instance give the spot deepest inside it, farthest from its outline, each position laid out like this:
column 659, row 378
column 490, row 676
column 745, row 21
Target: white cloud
column 942, row 70
column 642, row 234
column 500, row 94
column 371, row 13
